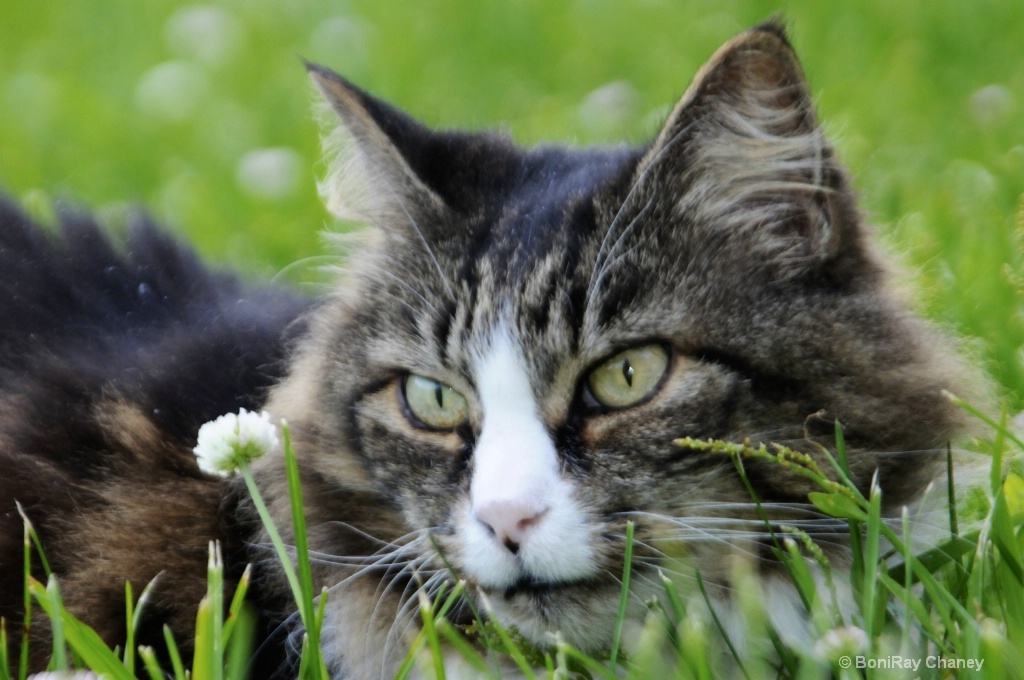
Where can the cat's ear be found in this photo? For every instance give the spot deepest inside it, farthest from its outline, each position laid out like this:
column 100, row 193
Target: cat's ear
column 742, row 156
column 371, row 150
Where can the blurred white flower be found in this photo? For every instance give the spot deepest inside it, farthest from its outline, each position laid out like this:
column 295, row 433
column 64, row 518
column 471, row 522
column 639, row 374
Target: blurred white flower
column 171, row 92
column 607, row 109
column 273, row 173
column 844, row 641
column 208, row 33
column 991, row 105
column 228, row 442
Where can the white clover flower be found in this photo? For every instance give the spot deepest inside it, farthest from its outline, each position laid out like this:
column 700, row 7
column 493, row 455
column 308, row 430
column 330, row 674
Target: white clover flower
column 844, row 641
column 234, row 439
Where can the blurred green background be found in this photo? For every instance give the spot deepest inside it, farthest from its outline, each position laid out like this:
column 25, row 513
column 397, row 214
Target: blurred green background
column 202, row 113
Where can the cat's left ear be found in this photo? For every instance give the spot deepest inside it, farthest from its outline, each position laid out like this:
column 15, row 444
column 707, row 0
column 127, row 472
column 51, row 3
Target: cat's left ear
column 744, row 161
column 374, row 152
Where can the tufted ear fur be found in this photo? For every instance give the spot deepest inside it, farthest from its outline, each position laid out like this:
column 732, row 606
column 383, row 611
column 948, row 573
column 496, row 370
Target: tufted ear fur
column 742, row 155
column 370, row 177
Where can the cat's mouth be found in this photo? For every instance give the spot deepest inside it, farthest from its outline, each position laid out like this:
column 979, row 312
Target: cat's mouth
column 533, row 587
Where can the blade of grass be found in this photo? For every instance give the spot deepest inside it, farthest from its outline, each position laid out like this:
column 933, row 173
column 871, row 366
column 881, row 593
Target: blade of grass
column 305, row 657
column 135, row 619
column 59, row 660
column 237, row 600
column 944, row 601
column 300, row 583
column 672, row 593
column 488, row 643
column 430, row 632
column 695, row 649
column 945, row 553
column 305, row 572
column 410, row 658
column 917, row 608
column 26, row 625
column 800, row 573
column 841, row 459
column 172, row 651
column 954, row 524
column 509, row 645
column 150, row 663
column 719, row 625
column 869, row 587
column 215, row 596
column 31, row 536
column 1000, row 428
column 321, row 611
column 275, row 537
column 762, row 515
column 202, row 657
column 907, row 599
column 463, row 647
column 240, row 645
column 1002, row 536
column 129, row 615
column 620, row 619
column 788, row 661
column 842, row 465
column 30, row 528
column 1007, row 581
column 5, row 668
column 86, row 643
column 589, row 664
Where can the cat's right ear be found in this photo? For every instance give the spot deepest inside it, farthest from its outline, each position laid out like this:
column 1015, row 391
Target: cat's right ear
column 745, row 160
column 370, row 176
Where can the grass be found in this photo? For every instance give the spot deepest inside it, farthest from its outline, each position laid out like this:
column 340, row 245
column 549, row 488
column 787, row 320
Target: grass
column 957, row 605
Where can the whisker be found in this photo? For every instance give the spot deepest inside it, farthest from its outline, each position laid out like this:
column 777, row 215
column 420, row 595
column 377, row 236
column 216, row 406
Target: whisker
column 407, row 538
column 609, row 262
column 381, row 271
column 601, row 257
column 423, row 240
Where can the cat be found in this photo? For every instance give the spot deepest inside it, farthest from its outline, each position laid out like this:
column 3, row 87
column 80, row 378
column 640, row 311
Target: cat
column 493, row 388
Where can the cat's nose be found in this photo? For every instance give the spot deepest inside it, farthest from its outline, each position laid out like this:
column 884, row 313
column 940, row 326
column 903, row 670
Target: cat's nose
column 511, row 520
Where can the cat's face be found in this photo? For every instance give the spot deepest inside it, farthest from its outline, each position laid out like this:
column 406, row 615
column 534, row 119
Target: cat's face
column 522, row 408
column 504, row 372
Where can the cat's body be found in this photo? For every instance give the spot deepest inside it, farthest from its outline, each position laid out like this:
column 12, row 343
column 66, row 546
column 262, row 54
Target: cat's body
column 112, row 357
column 499, row 376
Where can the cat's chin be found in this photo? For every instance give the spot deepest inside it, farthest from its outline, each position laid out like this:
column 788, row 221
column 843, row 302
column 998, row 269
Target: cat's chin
column 581, row 612
column 539, row 590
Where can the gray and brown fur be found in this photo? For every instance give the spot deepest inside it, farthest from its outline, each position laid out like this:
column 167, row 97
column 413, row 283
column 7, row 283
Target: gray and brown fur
column 110, row 359
column 733, row 239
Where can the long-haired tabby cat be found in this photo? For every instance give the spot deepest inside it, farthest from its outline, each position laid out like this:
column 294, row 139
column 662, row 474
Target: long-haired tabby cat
column 493, row 388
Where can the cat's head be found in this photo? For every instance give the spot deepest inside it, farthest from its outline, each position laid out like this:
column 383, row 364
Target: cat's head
column 501, row 374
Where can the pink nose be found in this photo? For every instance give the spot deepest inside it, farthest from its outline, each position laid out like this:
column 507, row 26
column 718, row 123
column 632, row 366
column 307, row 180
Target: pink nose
column 511, row 520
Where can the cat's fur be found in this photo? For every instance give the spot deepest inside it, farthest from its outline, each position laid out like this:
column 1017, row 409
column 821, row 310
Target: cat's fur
column 509, row 275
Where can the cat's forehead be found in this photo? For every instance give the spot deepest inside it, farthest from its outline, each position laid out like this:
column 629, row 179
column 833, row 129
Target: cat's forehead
column 549, row 194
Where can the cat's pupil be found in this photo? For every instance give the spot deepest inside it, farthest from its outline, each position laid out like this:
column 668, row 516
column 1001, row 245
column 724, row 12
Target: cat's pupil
column 627, row 372
column 439, row 395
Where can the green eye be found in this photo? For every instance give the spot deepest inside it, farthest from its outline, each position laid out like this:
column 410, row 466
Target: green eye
column 629, row 377
column 433, row 404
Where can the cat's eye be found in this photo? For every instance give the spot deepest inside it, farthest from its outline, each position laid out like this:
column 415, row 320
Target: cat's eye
column 433, row 404
column 629, row 377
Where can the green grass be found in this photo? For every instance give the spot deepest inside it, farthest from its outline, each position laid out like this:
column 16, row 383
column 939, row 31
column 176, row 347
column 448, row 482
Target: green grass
column 118, row 102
